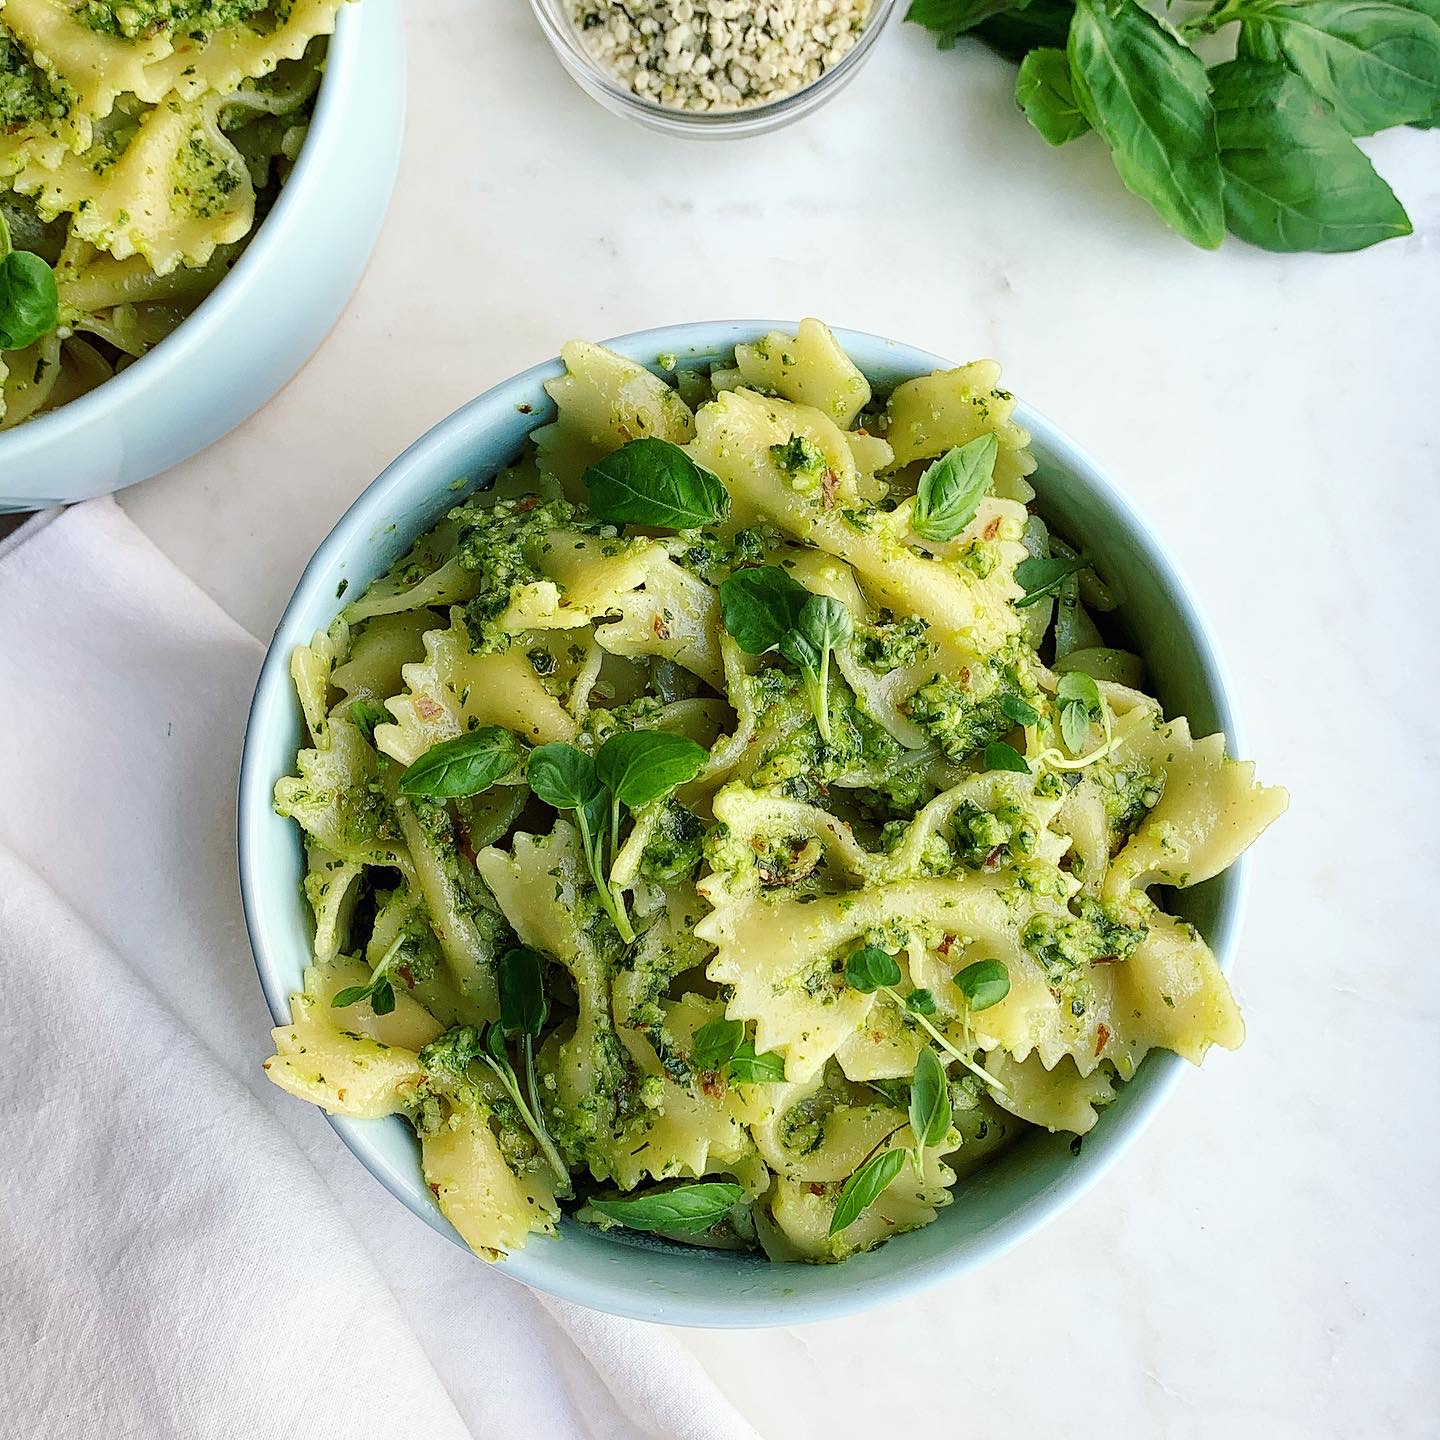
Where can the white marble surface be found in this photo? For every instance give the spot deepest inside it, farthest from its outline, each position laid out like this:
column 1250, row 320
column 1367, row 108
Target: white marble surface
column 1264, row 1262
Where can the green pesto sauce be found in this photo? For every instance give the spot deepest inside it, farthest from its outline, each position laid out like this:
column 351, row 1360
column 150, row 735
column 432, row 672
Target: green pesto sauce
column 28, row 96
column 1067, row 948
column 962, row 716
column 137, row 19
column 204, row 178
column 503, row 543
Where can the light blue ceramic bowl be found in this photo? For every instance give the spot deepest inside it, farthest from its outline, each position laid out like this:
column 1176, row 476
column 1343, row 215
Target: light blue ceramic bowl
column 635, row 1275
column 269, row 314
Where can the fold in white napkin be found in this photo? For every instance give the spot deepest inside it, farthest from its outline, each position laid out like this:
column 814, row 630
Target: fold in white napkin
column 185, row 1251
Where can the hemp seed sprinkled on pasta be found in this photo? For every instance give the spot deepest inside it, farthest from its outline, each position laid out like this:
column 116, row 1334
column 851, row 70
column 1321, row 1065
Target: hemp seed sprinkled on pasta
column 718, row 54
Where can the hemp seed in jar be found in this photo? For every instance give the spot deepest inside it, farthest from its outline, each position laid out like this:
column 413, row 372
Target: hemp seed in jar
column 718, row 55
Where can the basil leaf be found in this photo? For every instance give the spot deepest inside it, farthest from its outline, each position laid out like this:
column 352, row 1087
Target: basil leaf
column 1146, row 94
column 1014, row 33
column 798, row 650
column 365, row 717
column 382, row 998
column 1075, row 686
column 824, row 622
column 952, row 488
column 1075, row 727
column 1018, row 710
column 759, row 606
column 351, row 995
column 869, row 967
column 715, row 1042
column 652, row 482
column 929, row 1101
column 1000, row 756
column 865, row 1187
column 983, row 984
column 1044, row 92
column 563, row 776
column 949, row 18
column 463, row 766
column 638, row 766
column 922, row 1002
column 751, row 1069
column 686, row 1208
column 29, row 304
column 523, row 1006
column 494, row 1041
column 1039, row 578
column 1294, row 179
column 1375, row 63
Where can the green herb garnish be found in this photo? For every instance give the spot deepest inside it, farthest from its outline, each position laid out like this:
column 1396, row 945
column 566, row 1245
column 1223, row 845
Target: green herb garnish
column 1000, row 756
column 720, row 1045
column 687, row 1209
column 378, row 990
column 983, row 984
column 765, row 609
column 654, row 483
column 870, row 968
column 1018, row 710
column 929, row 1105
column 466, row 765
column 951, row 489
column 1080, row 702
column 1039, row 577
column 631, row 769
column 865, row 1187
column 29, row 302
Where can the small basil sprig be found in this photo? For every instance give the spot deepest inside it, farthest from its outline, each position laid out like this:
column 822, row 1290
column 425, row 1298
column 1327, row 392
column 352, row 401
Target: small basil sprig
column 871, row 970
column 952, row 488
column 1080, row 702
column 1039, row 577
column 378, row 990
column 456, row 1050
column 865, row 1187
column 466, row 765
column 1018, row 710
column 365, row 717
column 630, row 770
column 29, row 302
column 686, row 1209
column 766, row 609
column 983, row 984
column 1000, row 756
column 654, row 483
column 720, row 1045
column 929, row 1105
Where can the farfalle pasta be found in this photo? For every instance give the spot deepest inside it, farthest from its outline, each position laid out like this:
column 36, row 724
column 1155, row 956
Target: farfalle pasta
column 140, row 144
column 732, row 822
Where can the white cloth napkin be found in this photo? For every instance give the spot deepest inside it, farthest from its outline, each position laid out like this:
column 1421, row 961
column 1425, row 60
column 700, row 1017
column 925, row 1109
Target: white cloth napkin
column 184, row 1250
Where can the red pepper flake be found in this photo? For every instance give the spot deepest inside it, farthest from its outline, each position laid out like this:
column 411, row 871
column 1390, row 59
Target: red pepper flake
column 712, row 1084
column 829, row 484
column 992, row 860
column 661, row 629
column 428, row 709
column 943, row 948
column 434, row 1189
column 1102, row 1037
column 816, row 1188
column 405, row 973
column 1106, row 960
column 992, row 529
column 525, row 506
column 341, row 1093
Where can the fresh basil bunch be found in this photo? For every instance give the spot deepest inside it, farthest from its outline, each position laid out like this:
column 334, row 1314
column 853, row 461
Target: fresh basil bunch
column 1260, row 145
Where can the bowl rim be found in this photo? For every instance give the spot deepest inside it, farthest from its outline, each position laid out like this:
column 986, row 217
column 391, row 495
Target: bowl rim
column 177, row 348
column 753, row 118
column 541, row 1266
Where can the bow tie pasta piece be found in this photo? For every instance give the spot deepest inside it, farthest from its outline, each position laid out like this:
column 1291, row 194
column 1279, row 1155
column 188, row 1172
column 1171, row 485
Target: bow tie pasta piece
column 931, row 414
column 675, row 616
column 174, row 191
column 808, row 368
column 454, row 690
column 603, row 401
column 1058, row 1099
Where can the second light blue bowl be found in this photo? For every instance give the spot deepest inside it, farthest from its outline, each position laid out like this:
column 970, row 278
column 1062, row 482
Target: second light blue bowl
column 265, row 318
column 632, row 1275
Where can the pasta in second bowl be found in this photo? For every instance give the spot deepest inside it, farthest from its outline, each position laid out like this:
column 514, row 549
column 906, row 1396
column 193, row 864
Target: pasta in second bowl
column 199, row 215
column 869, row 942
